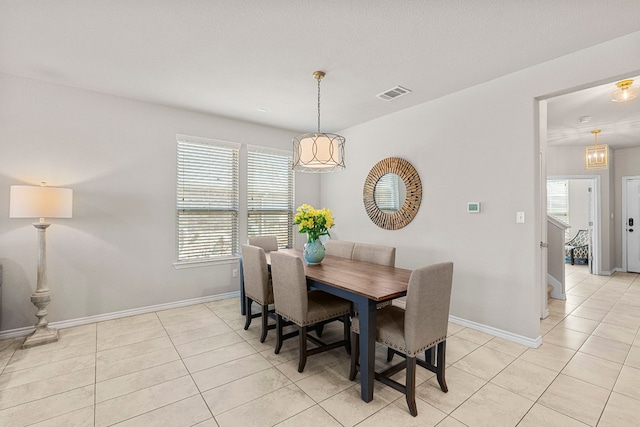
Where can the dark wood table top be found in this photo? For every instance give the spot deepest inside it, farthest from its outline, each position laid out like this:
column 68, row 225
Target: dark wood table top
column 373, row 281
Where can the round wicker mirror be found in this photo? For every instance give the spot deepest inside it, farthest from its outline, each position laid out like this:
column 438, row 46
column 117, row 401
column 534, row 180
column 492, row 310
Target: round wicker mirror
column 382, row 193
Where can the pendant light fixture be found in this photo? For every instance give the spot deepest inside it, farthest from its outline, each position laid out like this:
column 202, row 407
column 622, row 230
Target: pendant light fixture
column 318, row 151
column 625, row 91
column 597, row 155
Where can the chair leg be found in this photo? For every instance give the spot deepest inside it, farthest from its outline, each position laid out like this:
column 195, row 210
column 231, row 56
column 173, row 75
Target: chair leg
column 355, row 354
column 303, row 348
column 265, row 323
column 410, row 389
column 247, row 305
column 347, row 333
column 278, row 333
column 442, row 349
column 390, row 354
column 319, row 329
column 429, row 356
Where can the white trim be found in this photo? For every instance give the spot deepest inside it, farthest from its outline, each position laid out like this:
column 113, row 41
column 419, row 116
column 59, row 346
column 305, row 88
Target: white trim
column 533, row 343
column 200, row 139
column 557, row 292
column 21, row 332
column 179, row 265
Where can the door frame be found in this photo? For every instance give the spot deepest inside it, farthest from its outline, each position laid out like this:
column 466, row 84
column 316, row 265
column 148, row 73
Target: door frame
column 625, row 179
column 596, row 212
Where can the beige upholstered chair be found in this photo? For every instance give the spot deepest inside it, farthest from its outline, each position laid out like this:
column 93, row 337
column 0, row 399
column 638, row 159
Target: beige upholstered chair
column 304, row 308
column 420, row 327
column 257, row 286
column 268, row 243
column 339, row 248
column 375, row 254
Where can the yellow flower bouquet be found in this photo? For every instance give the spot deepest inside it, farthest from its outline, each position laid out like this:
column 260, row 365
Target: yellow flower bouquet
column 314, row 222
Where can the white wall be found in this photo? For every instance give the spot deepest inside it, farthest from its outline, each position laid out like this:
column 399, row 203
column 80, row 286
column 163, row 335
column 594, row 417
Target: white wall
column 119, row 157
column 479, row 144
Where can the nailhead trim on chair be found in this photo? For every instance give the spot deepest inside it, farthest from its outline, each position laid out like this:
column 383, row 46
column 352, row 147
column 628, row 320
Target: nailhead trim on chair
column 404, row 350
column 311, row 322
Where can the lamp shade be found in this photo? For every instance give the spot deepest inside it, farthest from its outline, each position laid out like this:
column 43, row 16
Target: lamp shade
column 318, row 152
column 27, row 201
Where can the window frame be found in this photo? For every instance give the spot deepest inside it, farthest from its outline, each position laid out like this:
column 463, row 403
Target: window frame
column 289, row 210
column 232, row 200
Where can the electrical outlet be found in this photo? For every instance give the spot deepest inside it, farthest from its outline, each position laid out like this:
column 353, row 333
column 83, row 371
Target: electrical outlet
column 234, row 272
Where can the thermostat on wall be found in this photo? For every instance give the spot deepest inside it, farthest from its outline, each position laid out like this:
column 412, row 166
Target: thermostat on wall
column 473, row 207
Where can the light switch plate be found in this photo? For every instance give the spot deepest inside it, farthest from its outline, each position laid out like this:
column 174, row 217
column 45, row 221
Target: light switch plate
column 520, row 217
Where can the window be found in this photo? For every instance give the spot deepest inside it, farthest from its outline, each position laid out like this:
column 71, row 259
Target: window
column 207, row 199
column 270, row 194
column 558, row 199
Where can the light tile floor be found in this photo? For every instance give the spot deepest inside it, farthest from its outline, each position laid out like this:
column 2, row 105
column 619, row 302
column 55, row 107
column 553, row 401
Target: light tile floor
column 196, row 366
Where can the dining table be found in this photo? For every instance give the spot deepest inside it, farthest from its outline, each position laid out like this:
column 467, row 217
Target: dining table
column 365, row 285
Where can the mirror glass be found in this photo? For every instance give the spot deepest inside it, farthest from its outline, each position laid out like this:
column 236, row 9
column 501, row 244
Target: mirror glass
column 390, row 193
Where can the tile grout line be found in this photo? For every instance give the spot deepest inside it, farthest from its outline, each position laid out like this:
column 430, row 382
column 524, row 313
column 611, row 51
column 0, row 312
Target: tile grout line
column 187, row 369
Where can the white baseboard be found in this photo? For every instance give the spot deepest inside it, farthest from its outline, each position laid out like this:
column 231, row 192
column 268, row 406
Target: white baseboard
column 558, row 288
column 509, row 336
column 534, row 343
column 21, row 332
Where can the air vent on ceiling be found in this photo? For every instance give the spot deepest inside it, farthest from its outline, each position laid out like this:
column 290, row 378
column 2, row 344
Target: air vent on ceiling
column 393, row 93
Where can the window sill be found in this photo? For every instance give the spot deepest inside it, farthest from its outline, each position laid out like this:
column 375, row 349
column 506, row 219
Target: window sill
column 179, row 265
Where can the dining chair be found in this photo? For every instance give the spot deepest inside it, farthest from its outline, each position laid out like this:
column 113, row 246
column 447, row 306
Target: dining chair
column 268, row 243
column 376, row 254
column 420, row 327
column 339, row 248
column 304, row 308
column 257, row 286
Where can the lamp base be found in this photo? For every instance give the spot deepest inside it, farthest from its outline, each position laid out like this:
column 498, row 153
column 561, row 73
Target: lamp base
column 40, row 336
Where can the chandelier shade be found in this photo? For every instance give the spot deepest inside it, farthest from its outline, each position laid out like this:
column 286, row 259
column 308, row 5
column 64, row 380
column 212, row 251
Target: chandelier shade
column 597, row 155
column 625, row 91
column 318, row 151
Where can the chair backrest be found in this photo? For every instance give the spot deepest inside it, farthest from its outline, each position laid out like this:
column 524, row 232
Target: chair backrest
column 376, row 254
column 581, row 238
column 426, row 314
column 255, row 273
column 268, row 243
column 339, row 248
column 289, row 287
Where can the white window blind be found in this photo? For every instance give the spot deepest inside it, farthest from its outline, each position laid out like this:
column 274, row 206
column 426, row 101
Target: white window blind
column 207, row 200
column 270, row 195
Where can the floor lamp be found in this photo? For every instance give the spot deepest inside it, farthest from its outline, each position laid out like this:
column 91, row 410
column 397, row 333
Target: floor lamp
column 42, row 202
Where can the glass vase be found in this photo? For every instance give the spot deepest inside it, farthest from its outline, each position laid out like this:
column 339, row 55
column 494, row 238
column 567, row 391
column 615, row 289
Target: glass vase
column 313, row 252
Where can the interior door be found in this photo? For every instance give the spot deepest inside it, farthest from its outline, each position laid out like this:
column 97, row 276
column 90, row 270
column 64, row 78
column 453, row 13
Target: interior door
column 632, row 225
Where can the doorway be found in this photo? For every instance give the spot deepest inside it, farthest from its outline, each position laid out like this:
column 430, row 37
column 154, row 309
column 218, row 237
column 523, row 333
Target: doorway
column 575, row 200
column 631, row 224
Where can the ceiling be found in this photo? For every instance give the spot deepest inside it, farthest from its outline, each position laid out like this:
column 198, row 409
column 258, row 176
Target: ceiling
column 253, row 60
column 619, row 122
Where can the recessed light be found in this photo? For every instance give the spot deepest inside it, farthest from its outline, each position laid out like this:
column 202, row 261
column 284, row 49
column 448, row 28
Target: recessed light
column 584, row 119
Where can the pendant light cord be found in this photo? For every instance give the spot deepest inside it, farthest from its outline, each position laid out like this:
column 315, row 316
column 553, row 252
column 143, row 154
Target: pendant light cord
column 318, row 105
